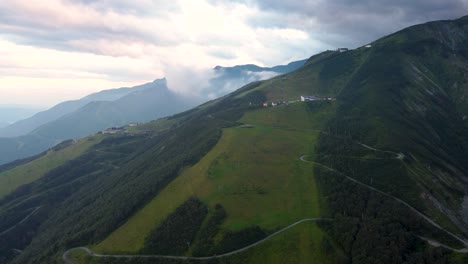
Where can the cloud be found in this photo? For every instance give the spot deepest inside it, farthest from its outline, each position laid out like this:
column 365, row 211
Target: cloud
column 123, row 28
column 188, row 81
column 353, row 22
column 33, row 59
column 41, row 76
column 222, row 82
column 249, row 76
column 129, row 42
column 63, row 22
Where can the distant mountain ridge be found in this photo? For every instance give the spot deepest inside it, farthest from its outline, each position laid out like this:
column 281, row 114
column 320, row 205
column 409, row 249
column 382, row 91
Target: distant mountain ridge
column 25, row 126
column 155, row 100
column 13, row 113
column 139, row 104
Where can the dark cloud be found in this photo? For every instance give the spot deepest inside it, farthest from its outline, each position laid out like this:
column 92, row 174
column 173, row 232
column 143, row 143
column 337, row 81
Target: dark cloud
column 329, row 9
column 60, row 25
column 332, row 23
column 351, row 22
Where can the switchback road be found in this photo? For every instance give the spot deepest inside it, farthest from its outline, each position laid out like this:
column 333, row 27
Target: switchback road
column 429, row 220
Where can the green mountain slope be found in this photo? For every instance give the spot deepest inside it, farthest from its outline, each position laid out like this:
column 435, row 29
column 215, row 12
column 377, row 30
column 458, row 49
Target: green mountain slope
column 238, row 174
column 18, row 176
column 383, row 167
column 409, row 97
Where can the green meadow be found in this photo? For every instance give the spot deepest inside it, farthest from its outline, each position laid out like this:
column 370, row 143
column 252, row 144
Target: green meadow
column 239, row 174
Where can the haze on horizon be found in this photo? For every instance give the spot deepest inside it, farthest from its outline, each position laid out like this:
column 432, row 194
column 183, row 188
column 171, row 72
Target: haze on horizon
column 58, row 50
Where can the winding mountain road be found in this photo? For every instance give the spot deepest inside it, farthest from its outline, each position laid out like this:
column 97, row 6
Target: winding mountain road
column 429, row 220
column 399, row 155
column 91, row 253
column 437, row 244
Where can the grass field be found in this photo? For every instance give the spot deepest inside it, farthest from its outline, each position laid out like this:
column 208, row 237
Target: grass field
column 300, row 244
column 320, row 79
column 255, row 173
column 29, row 172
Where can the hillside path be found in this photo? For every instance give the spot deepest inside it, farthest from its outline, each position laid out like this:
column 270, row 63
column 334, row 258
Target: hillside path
column 91, row 253
column 429, row 220
column 20, row 222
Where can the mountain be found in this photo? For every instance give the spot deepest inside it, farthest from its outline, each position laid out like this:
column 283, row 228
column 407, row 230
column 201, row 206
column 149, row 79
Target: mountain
column 372, row 171
column 144, row 105
column 23, row 146
column 12, row 113
column 146, row 102
column 25, row 126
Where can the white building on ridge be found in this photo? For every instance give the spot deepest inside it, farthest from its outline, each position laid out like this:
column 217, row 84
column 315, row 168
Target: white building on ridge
column 308, row 98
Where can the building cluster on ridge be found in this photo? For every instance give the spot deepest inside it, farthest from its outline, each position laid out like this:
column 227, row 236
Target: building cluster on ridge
column 303, row 98
column 267, row 104
column 347, row 49
column 113, row 130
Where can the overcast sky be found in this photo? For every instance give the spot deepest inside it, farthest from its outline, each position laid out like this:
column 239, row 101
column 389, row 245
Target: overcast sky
column 56, row 50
